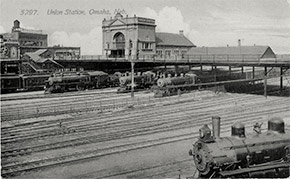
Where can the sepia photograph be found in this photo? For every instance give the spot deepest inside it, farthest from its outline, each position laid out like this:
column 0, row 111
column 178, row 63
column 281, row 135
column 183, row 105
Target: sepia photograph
column 135, row 89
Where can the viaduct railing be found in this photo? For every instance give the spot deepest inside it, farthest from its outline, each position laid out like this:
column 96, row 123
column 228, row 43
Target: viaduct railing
column 191, row 59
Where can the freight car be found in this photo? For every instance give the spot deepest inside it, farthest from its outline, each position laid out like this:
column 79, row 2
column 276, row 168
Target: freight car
column 260, row 154
column 144, row 81
column 61, row 82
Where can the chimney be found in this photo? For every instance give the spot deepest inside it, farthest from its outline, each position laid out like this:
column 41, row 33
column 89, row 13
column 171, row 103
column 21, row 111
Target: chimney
column 16, row 24
column 239, row 42
column 180, row 32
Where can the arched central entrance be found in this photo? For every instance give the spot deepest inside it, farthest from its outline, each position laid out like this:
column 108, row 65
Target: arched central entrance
column 118, row 45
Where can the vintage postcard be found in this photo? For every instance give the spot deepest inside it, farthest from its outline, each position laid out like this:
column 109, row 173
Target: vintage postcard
column 145, row 89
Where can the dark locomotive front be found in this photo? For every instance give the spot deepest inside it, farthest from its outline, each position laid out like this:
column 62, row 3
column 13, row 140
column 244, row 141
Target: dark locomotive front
column 257, row 155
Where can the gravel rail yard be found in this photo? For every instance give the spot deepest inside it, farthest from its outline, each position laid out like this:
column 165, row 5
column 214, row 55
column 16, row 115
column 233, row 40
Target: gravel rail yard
column 31, row 147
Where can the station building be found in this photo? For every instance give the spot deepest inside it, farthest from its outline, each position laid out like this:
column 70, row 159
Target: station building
column 125, row 37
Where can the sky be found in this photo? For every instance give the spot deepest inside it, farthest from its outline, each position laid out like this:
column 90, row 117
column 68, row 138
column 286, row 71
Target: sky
column 205, row 22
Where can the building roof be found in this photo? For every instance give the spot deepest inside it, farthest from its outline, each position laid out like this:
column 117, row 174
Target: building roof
column 36, row 56
column 169, row 39
column 242, row 50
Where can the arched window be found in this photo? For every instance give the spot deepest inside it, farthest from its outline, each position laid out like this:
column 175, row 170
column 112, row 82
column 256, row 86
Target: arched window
column 119, row 40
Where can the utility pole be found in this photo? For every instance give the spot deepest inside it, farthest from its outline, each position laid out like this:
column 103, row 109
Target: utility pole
column 132, row 78
column 265, row 82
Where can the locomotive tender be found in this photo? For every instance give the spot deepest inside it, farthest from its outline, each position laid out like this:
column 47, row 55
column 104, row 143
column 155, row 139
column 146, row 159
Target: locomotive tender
column 261, row 154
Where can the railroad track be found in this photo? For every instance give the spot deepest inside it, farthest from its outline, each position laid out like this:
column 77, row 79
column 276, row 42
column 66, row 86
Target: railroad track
column 185, row 123
column 57, row 107
column 55, row 95
column 78, row 122
column 124, row 132
column 72, row 105
column 96, row 125
column 80, row 156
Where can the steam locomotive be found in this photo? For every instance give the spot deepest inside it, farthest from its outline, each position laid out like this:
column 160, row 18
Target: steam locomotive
column 261, row 154
column 62, row 82
column 164, row 84
column 146, row 80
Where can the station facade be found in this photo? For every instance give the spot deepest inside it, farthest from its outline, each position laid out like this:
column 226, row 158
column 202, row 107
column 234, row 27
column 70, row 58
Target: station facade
column 125, row 37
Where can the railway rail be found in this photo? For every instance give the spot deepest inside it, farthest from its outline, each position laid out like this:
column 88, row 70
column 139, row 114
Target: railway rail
column 40, row 94
column 116, row 120
column 19, row 167
column 137, row 126
column 64, row 106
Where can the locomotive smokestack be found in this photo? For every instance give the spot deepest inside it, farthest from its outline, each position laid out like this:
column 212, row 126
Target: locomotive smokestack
column 216, row 126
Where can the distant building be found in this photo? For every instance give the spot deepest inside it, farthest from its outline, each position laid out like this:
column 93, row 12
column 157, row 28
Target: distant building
column 168, row 44
column 236, row 51
column 136, row 36
column 26, row 51
column 29, row 40
column 44, row 59
column 67, row 53
column 39, row 61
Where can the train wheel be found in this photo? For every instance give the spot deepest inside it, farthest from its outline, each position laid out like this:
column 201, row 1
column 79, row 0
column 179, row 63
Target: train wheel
column 62, row 89
column 97, row 86
column 179, row 92
column 80, row 88
column 167, row 92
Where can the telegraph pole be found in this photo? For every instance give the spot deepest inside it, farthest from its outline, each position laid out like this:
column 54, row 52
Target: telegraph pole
column 265, row 82
column 132, row 78
column 132, row 69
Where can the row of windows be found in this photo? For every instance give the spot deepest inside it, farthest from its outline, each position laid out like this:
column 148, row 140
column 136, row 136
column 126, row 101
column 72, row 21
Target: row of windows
column 147, row 45
column 71, row 69
column 169, row 52
column 121, row 43
column 36, row 80
column 31, row 43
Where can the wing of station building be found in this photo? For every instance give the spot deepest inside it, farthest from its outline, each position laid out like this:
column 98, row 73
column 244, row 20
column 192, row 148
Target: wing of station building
column 173, row 40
